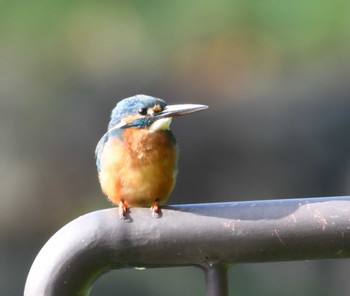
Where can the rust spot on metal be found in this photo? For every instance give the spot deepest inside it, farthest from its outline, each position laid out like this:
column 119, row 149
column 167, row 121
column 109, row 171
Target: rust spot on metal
column 320, row 219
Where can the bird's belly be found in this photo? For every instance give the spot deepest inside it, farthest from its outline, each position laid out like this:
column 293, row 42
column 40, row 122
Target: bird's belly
column 138, row 174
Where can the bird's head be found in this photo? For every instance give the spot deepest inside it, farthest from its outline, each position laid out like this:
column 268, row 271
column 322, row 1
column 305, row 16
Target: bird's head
column 147, row 112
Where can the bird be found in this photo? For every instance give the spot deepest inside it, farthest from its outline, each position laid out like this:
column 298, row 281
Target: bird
column 137, row 158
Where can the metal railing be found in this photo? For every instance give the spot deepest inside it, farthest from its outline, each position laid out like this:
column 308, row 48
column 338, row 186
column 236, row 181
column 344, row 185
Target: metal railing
column 210, row 236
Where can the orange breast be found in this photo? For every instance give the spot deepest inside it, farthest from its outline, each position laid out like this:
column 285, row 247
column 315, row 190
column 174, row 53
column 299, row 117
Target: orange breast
column 140, row 169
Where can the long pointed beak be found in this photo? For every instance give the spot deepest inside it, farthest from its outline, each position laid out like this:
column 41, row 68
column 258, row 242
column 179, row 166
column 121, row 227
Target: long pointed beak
column 180, row 109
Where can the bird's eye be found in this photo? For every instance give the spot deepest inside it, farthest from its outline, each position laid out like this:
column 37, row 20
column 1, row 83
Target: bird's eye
column 142, row 111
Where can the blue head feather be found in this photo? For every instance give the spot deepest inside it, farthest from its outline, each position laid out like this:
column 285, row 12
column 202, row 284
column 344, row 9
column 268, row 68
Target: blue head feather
column 131, row 106
column 128, row 107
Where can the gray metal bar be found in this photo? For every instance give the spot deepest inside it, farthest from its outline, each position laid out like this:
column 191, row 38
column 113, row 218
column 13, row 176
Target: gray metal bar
column 200, row 235
column 216, row 281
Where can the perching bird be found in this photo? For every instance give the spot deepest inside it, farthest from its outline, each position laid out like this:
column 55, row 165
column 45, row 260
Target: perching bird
column 137, row 158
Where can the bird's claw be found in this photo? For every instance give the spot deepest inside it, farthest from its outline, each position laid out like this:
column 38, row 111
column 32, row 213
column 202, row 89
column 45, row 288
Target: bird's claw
column 155, row 208
column 122, row 210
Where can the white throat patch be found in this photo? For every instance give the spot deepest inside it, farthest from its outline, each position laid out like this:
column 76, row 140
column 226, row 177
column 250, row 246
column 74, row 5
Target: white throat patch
column 161, row 124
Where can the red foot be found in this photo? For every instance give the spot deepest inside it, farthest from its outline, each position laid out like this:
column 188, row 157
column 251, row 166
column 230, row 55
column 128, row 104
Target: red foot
column 122, row 209
column 155, row 208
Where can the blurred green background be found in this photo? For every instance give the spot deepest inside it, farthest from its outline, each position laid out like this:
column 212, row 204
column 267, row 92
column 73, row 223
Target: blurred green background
column 276, row 77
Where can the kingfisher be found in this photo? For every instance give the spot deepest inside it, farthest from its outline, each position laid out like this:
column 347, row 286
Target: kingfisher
column 137, row 157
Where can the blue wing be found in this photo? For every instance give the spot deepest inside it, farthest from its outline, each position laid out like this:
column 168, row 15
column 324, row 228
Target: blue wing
column 99, row 149
column 116, row 132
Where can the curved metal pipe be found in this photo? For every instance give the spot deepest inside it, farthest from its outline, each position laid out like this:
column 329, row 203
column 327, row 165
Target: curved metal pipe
column 211, row 236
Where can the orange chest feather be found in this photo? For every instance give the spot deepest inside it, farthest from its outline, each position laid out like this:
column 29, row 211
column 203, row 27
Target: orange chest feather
column 148, row 147
column 139, row 168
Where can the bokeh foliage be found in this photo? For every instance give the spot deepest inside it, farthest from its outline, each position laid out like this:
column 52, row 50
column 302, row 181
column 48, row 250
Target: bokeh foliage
column 274, row 73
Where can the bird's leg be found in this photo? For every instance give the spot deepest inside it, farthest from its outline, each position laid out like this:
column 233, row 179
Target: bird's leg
column 155, row 208
column 122, row 209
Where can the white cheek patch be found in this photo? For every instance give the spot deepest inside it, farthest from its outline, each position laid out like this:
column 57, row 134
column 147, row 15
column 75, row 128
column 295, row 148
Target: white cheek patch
column 150, row 112
column 160, row 124
column 120, row 124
